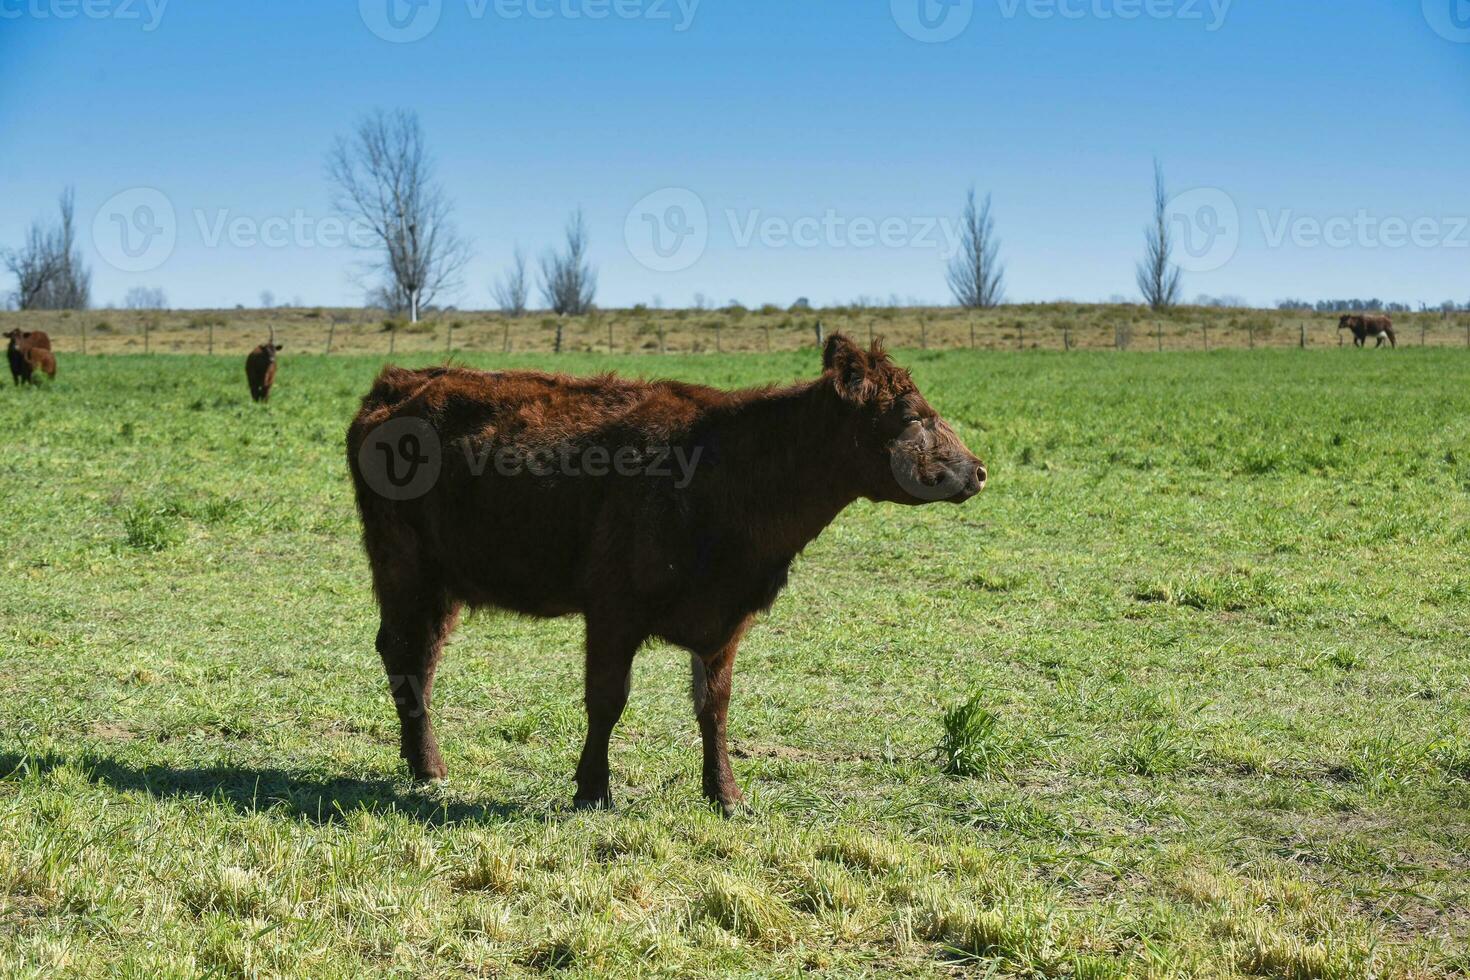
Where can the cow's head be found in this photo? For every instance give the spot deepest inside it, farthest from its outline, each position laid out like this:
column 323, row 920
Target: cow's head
column 907, row 454
column 1347, row 322
column 14, row 336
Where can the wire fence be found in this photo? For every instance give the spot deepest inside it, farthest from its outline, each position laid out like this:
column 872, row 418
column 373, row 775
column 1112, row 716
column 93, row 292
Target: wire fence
column 697, row 332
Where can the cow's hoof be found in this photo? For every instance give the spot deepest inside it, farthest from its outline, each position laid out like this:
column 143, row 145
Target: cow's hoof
column 435, row 772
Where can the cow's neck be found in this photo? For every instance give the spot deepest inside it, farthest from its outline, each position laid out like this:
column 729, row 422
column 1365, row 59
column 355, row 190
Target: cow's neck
column 785, row 467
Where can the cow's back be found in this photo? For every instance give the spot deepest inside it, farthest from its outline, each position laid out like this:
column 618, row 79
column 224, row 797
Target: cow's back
column 515, row 511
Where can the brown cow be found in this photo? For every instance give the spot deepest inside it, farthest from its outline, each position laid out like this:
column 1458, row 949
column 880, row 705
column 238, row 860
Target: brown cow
column 653, row 509
column 1364, row 327
column 41, row 359
column 260, row 368
column 22, row 341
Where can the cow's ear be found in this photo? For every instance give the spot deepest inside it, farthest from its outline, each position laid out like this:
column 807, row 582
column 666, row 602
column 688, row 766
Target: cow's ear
column 279, row 346
column 849, row 367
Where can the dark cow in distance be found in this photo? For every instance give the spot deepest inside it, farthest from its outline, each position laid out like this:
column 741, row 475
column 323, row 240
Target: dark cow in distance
column 21, row 342
column 260, row 369
column 1364, row 327
column 653, row 509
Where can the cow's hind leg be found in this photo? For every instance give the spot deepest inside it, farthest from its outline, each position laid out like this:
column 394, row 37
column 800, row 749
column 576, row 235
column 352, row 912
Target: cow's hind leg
column 710, row 686
column 611, row 647
column 410, row 641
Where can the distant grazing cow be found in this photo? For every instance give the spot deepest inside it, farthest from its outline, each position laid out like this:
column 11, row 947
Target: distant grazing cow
column 1364, row 327
column 20, row 342
column 653, row 509
column 260, row 369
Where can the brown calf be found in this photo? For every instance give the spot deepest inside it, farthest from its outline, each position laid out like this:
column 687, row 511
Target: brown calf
column 653, row 509
column 21, row 343
column 260, row 369
column 1364, row 327
column 40, row 359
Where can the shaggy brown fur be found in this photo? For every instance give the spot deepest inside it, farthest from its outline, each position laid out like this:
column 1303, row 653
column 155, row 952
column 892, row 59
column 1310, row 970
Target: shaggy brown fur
column 40, row 359
column 688, row 553
column 260, row 369
column 1364, row 327
column 21, row 343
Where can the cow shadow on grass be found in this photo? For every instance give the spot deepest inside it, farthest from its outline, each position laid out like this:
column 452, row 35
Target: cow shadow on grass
column 250, row 789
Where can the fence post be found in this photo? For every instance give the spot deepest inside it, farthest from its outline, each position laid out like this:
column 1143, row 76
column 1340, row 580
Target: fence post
column 1205, row 328
column 661, row 348
column 718, row 348
column 1021, row 335
column 609, row 335
column 505, row 340
column 1250, row 332
column 84, row 336
column 211, row 338
column 449, row 339
column 924, row 332
column 767, row 329
column 1066, row 337
column 331, row 329
column 972, row 331
column 147, row 329
column 1423, row 334
column 1304, row 335
column 1159, row 334
column 559, row 328
column 820, row 338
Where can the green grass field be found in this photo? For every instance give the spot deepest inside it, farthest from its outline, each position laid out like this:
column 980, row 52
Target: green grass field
column 1183, row 693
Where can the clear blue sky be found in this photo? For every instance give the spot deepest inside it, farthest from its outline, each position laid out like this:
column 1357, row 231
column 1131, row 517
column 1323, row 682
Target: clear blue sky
column 767, row 111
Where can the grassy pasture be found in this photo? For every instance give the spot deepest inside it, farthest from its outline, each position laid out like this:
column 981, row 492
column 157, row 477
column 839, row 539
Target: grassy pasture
column 1183, row 693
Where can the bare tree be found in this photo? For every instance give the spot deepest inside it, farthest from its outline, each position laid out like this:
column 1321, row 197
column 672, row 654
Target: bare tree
column 513, row 290
column 145, row 298
column 267, row 299
column 384, row 180
column 48, row 268
column 976, row 275
column 568, row 282
column 33, row 265
column 1158, row 276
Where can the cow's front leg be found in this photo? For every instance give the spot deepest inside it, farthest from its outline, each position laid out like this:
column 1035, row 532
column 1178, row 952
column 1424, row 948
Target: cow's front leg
column 610, row 652
column 710, row 686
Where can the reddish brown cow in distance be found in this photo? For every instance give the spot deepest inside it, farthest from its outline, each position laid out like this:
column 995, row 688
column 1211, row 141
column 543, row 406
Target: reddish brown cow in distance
column 1364, row 327
column 653, row 509
column 21, row 342
column 260, row 369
